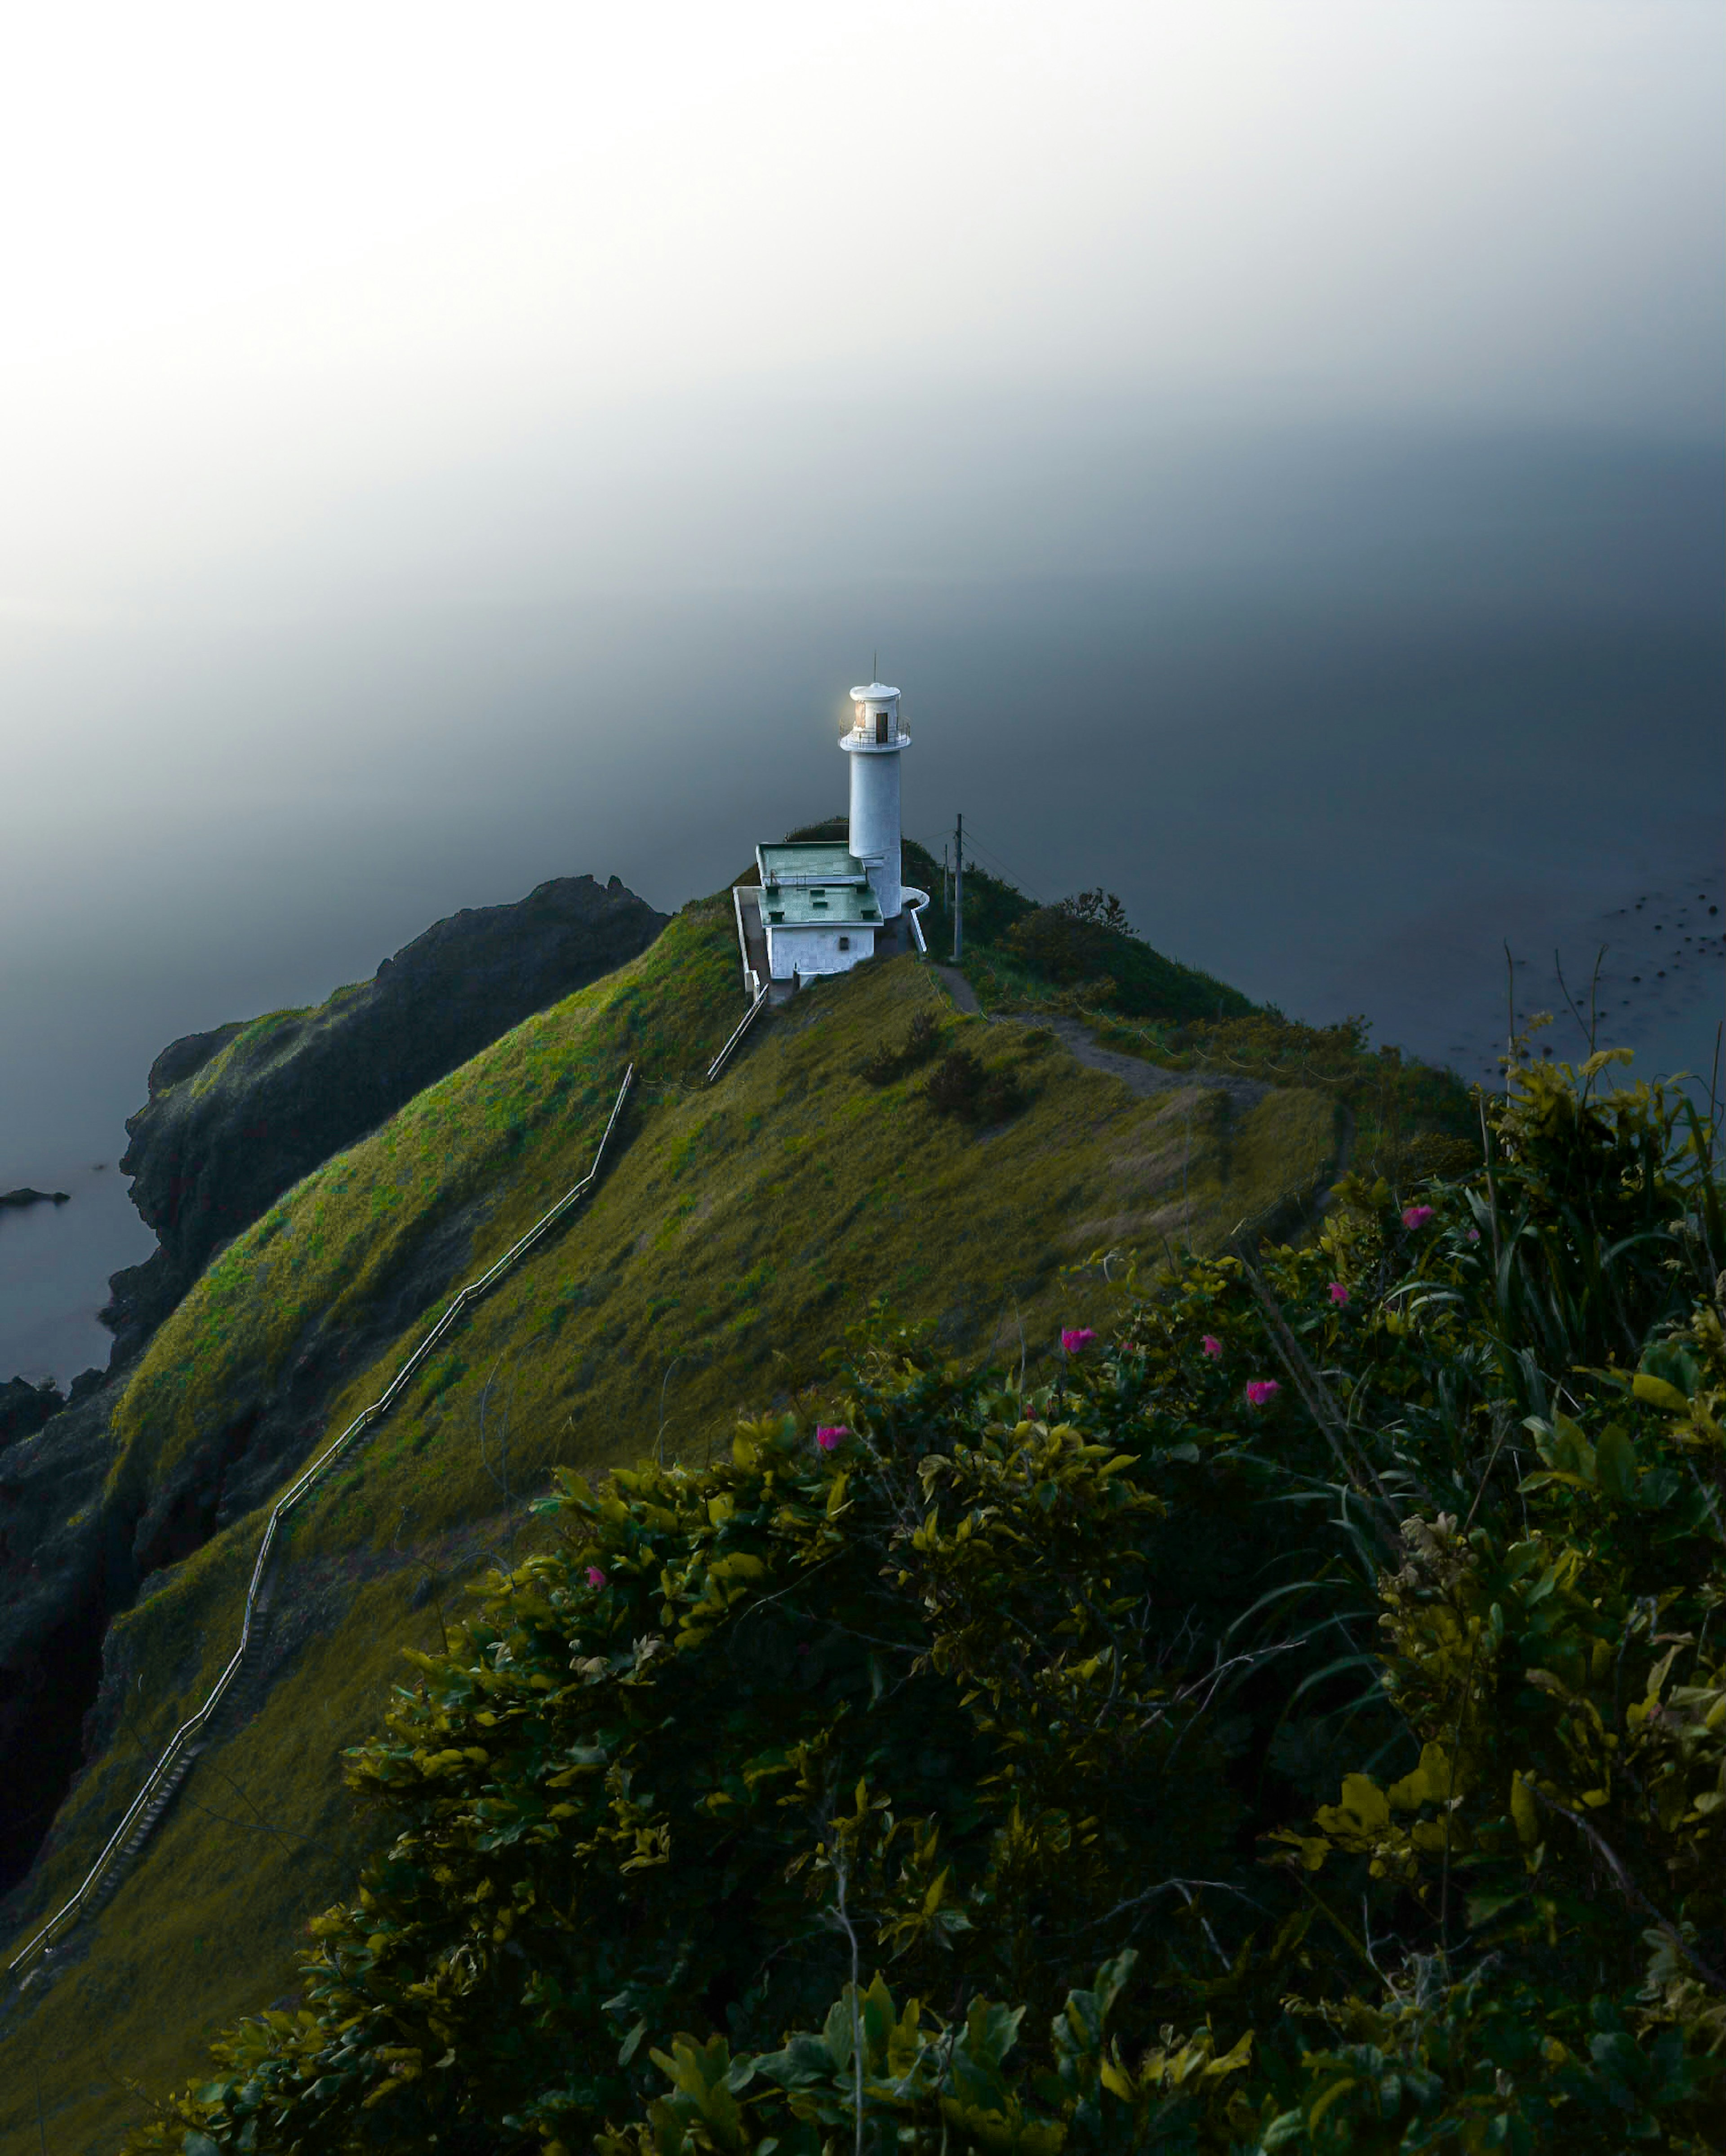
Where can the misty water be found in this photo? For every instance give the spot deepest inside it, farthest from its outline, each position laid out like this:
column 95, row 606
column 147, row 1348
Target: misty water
column 1337, row 716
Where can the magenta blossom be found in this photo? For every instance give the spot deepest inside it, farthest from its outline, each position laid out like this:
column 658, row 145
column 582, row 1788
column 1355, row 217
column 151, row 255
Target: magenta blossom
column 829, row 1434
column 1338, row 1293
column 595, row 1577
column 1212, row 1346
column 1416, row 1216
column 1474, row 1235
column 1075, row 1339
column 1261, row 1391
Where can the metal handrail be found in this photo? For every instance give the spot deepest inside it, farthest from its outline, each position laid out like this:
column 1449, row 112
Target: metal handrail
column 751, row 980
column 744, row 1023
column 868, row 738
column 129, row 1836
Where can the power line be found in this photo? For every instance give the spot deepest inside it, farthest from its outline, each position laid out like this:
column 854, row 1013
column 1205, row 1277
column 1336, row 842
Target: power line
column 972, row 847
column 1010, row 873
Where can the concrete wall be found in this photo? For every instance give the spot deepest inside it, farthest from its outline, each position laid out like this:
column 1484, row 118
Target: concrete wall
column 811, row 951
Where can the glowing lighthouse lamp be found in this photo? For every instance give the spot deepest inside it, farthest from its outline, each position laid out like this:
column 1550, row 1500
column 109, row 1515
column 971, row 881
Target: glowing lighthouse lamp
column 825, row 905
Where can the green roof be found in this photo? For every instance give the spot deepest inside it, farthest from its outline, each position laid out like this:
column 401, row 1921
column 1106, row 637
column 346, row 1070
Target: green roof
column 820, row 905
column 811, row 861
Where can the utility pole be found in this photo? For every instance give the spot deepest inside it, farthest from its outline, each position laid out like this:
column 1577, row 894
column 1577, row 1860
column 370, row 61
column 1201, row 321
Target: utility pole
column 958, row 892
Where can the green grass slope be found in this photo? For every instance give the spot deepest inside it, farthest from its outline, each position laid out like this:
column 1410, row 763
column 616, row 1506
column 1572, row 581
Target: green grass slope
column 739, row 1229
column 1141, row 982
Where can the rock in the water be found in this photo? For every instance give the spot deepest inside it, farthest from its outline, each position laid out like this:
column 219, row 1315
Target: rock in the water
column 237, row 1114
column 26, row 1196
column 24, row 1407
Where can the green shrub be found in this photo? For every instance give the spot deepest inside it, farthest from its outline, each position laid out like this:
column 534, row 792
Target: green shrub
column 920, row 1043
column 1302, row 1728
column 960, row 1085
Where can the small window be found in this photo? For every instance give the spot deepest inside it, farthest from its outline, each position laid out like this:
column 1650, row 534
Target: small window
column 845, row 943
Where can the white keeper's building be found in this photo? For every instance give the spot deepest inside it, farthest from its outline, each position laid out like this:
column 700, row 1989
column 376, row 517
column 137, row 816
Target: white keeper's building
column 823, row 905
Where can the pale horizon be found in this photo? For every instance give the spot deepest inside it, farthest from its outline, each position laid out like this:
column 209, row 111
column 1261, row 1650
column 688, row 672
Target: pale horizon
column 1280, row 452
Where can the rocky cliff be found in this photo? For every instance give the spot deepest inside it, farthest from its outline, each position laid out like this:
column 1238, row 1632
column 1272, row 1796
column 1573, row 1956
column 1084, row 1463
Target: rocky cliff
column 237, row 1115
column 234, row 1117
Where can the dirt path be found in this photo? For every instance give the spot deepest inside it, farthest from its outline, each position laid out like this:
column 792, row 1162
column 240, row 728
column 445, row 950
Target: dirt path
column 1132, row 1070
column 958, row 988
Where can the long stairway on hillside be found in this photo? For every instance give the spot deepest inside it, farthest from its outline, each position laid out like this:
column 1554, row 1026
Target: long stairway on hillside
column 238, row 1688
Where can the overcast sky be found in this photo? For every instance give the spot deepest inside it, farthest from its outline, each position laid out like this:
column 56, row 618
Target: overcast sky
column 296, row 299
column 1277, row 443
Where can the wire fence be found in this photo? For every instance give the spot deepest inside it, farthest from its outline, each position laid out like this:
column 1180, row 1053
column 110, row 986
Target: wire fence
column 126, row 1842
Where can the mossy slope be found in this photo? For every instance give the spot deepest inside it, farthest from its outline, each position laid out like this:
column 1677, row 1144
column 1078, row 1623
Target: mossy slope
column 739, row 1229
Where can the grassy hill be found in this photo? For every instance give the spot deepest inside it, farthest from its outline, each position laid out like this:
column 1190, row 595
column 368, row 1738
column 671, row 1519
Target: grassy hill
column 739, row 1229
column 1115, row 966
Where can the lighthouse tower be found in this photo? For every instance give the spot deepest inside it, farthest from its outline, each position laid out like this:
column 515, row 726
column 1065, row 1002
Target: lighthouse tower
column 874, row 744
column 822, row 905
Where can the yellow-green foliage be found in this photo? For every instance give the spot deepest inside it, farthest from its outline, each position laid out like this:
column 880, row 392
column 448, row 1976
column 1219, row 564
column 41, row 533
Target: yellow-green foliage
column 512, row 1126
column 738, row 1228
column 1400, row 1794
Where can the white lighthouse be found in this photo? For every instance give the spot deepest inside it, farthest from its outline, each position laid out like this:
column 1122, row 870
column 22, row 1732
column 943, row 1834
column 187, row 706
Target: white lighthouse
column 822, row 905
column 875, row 745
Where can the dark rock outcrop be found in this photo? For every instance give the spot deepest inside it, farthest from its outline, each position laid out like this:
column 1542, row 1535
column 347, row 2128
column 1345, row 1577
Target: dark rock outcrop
column 237, row 1115
column 63, row 1573
column 24, row 1407
column 17, row 1200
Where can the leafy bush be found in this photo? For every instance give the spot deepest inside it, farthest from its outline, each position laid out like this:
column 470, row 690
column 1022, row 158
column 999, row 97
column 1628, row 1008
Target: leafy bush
column 1302, row 1727
column 1082, row 950
column 960, row 1085
column 920, row 1043
column 1075, row 940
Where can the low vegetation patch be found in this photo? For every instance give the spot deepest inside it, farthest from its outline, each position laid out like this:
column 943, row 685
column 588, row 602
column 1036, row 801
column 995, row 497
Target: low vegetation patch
column 737, row 1230
column 1080, row 952
column 960, row 1084
column 1082, row 957
column 1298, row 1725
column 1411, row 1119
column 920, row 1042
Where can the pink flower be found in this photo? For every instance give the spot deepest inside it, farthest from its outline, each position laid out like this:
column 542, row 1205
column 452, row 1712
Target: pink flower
column 1474, row 1235
column 1212, row 1346
column 1075, row 1339
column 595, row 1577
column 1261, row 1391
column 829, row 1434
column 1338, row 1293
column 1416, row 1216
